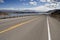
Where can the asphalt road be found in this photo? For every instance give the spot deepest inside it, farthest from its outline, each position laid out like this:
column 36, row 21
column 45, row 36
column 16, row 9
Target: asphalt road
column 30, row 28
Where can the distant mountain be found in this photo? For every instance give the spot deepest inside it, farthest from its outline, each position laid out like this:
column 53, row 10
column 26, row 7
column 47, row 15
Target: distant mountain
column 18, row 11
column 9, row 11
column 28, row 11
column 50, row 11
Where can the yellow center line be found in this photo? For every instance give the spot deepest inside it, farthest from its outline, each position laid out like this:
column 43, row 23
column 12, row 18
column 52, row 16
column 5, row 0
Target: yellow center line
column 15, row 26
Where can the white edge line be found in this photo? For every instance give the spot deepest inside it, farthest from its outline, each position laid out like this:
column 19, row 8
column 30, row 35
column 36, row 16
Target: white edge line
column 49, row 35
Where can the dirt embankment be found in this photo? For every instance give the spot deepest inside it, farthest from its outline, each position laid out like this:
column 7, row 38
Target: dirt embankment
column 3, row 13
column 56, row 14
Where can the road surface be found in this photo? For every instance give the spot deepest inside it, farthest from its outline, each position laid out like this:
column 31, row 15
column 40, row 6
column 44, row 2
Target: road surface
column 30, row 28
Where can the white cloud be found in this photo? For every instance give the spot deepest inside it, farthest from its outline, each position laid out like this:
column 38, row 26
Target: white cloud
column 33, row 3
column 1, row 1
column 45, row 7
column 48, row 0
column 41, row 8
column 9, row 9
column 43, row 0
column 58, row 5
column 53, row 5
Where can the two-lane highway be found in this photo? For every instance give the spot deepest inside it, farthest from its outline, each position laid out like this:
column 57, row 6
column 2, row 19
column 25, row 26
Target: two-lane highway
column 30, row 28
column 6, row 23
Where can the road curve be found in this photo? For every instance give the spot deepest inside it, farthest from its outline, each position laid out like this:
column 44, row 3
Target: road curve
column 36, row 29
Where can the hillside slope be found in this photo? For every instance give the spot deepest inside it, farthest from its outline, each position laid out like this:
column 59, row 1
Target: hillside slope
column 56, row 14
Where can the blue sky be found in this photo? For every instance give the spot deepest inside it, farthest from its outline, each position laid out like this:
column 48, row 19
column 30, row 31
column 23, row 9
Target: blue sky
column 25, row 4
column 21, row 3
